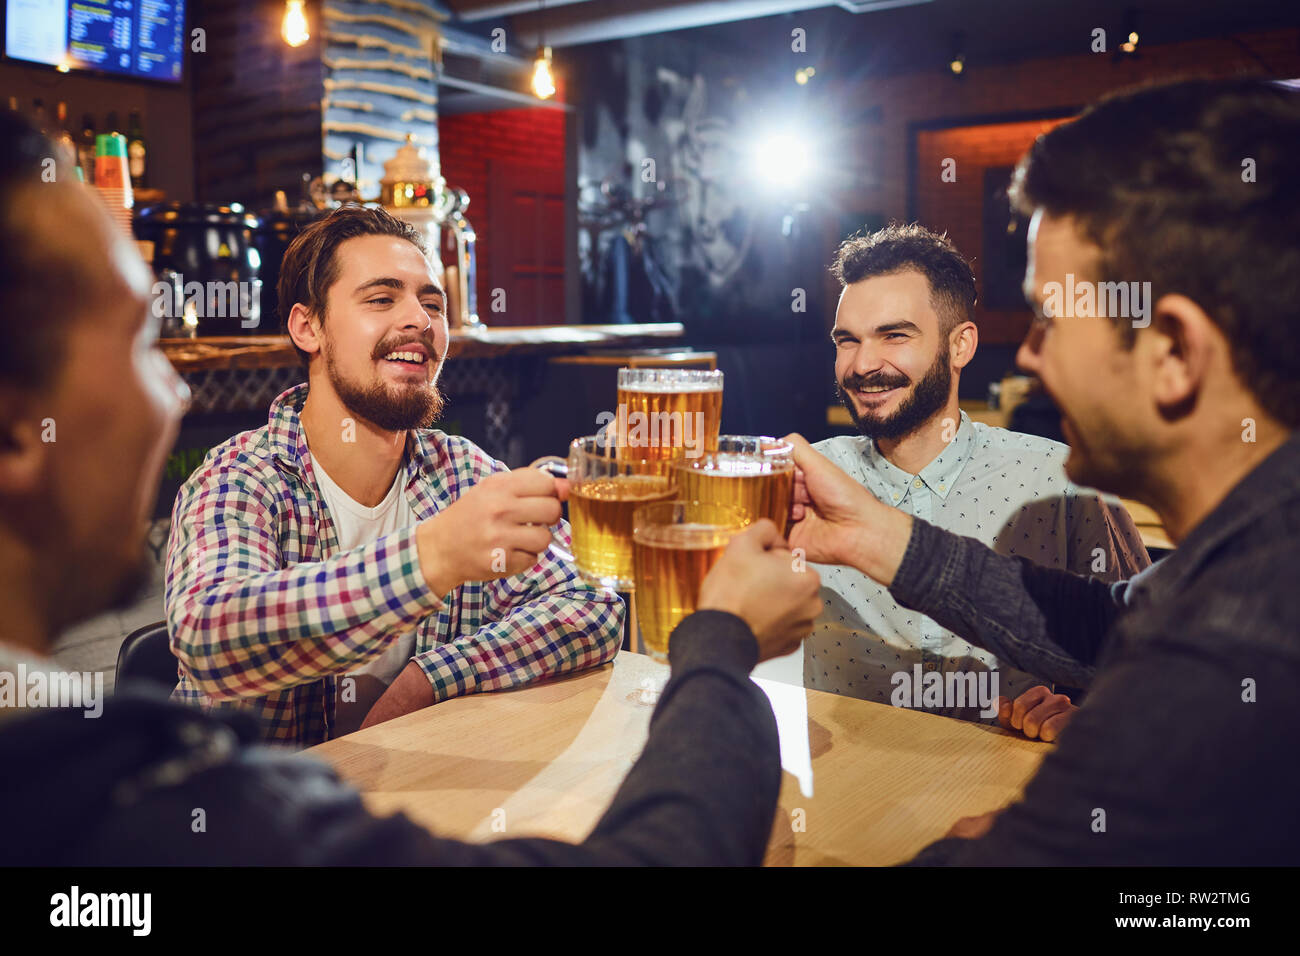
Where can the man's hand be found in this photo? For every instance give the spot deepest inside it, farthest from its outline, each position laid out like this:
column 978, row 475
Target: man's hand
column 409, row 691
column 756, row 579
column 972, row 828
column 838, row 521
column 495, row 529
column 1037, row 713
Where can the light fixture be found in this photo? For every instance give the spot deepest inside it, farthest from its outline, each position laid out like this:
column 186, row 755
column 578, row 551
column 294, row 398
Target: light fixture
column 957, row 61
column 294, row 27
column 1130, row 45
column 804, row 75
column 784, row 160
column 543, row 78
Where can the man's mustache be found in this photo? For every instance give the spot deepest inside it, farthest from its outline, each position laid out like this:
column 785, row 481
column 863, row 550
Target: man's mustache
column 852, row 383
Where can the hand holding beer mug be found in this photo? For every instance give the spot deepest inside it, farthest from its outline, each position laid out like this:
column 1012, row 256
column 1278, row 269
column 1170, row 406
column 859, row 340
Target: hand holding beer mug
column 758, row 580
column 604, row 490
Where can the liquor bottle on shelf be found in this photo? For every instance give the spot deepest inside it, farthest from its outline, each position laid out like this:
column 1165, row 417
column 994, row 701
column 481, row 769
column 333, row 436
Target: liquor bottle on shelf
column 39, row 119
column 111, row 124
column 137, row 152
column 86, row 148
column 63, row 140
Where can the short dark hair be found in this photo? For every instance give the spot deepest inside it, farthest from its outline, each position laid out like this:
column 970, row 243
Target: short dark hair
column 1192, row 187
column 898, row 248
column 40, row 288
column 310, row 264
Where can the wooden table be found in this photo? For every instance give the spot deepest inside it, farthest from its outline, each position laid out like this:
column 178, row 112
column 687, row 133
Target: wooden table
column 546, row 760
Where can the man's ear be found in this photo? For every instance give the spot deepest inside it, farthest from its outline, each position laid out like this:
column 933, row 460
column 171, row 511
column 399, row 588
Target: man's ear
column 1179, row 350
column 304, row 329
column 963, row 340
column 26, row 443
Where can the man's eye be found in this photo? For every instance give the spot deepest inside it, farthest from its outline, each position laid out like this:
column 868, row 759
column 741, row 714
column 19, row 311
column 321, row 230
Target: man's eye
column 435, row 306
column 379, row 300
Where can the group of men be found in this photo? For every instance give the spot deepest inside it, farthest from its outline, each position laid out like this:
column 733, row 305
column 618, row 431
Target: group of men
column 348, row 563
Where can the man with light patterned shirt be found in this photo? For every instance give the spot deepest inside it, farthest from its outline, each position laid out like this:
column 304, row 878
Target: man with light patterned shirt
column 347, row 564
column 903, row 333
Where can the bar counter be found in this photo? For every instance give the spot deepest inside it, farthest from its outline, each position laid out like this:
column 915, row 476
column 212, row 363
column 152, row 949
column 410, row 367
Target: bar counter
column 234, row 379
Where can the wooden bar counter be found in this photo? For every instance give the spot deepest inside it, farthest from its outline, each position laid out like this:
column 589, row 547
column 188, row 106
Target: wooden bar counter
column 546, row 760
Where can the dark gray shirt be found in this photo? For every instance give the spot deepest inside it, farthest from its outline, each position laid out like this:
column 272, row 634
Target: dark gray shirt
column 1184, row 752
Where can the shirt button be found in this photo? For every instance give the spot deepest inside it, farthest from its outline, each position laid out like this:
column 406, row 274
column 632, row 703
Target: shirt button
column 895, row 496
column 943, row 487
column 918, row 483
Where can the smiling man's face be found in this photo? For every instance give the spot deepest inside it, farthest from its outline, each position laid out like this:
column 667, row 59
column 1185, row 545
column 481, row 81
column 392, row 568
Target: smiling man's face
column 385, row 334
column 892, row 362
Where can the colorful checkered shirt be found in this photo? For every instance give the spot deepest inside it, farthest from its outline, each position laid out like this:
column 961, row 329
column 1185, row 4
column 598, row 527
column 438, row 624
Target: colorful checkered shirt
column 264, row 612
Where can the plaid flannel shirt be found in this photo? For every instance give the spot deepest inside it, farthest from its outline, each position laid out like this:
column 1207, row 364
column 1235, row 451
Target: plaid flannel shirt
column 264, row 612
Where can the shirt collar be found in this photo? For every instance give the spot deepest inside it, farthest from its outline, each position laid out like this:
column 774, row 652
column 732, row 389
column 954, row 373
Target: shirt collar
column 939, row 475
column 288, row 441
column 1265, row 490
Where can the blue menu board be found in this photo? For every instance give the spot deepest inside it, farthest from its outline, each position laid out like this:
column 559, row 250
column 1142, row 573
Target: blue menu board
column 144, row 38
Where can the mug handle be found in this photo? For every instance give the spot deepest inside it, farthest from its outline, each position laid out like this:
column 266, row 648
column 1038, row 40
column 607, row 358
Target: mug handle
column 556, row 467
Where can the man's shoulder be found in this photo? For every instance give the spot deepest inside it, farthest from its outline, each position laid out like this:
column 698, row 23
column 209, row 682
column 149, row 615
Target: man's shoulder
column 456, row 454
column 839, row 448
column 990, row 440
column 248, row 453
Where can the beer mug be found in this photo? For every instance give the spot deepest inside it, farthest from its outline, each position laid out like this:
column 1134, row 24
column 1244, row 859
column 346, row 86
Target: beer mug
column 752, row 472
column 604, row 489
column 668, row 413
column 675, row 543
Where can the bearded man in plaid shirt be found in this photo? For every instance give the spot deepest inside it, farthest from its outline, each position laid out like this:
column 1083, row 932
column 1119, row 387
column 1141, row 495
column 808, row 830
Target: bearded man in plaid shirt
column 347, row 564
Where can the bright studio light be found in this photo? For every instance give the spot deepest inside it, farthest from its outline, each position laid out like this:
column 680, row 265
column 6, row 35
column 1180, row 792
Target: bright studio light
column 784, row 159
column 543, row 78
column 294, row 27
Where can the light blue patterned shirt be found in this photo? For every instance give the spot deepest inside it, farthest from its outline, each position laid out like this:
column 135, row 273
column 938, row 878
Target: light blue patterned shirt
column 1006, row 489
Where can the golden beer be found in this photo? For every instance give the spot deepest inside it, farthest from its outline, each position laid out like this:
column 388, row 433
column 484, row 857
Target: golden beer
column 754, row 474
column 668, row 413
column 674, row 546
column 600, row 518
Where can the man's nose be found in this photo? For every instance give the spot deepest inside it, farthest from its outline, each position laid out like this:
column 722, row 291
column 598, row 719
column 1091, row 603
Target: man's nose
column 866, row 361
column 415, row 316
column 1028, row 355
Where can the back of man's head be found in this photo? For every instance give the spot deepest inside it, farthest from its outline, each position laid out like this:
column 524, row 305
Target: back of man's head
column 38, row 291
column 1195, row 188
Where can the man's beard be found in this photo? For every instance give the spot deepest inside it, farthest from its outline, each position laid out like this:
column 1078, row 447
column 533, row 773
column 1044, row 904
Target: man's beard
column 928, row 397
column 392, row 409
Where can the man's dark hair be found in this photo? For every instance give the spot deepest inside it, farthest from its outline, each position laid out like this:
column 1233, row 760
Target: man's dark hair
column 39, row 289
column 310, row 264
column 1195, row 187
column 898, row 248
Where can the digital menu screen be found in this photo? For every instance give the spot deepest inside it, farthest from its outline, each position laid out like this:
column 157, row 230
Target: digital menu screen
column 143, row 38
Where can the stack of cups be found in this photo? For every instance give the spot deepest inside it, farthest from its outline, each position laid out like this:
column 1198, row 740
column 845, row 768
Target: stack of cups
column 113, row 178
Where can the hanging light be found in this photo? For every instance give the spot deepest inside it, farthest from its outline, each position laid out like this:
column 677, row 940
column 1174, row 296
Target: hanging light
column 957, row 61
column 294, row 27
column 543, row 78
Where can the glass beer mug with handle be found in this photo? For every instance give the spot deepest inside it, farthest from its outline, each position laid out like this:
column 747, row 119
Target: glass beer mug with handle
column 604, row 489
column 751, row 472
column 668, row 413
column 675, row 544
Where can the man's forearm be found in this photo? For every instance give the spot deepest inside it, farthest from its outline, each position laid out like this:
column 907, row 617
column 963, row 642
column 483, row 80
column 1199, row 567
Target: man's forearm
column 547, row 634
column 1044, row 621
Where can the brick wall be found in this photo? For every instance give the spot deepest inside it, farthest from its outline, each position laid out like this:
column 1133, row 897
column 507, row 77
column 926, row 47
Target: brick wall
column 469, row 145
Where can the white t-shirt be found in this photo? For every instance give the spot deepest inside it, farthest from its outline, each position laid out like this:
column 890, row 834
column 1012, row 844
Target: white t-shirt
column 358, row 525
